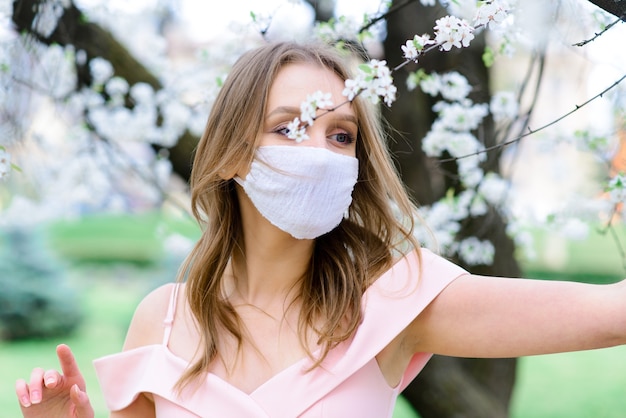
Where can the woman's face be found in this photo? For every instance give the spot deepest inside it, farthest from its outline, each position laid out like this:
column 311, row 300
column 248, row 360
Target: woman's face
column 336, row 130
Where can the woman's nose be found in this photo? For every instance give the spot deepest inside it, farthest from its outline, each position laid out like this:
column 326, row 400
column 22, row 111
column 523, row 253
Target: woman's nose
column 317, row 138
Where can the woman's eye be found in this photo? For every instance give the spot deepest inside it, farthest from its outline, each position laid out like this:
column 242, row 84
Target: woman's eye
column 282, row 130
column 343, row 138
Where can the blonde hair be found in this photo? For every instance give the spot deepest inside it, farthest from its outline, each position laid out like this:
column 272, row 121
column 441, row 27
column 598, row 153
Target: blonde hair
column 345, row 261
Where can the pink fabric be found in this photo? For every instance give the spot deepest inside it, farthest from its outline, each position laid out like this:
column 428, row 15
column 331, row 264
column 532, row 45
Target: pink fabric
column 349, row 383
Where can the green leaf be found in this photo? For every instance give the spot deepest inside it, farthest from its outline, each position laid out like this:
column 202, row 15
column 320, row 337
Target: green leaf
column 365, row 68
column 489, row 57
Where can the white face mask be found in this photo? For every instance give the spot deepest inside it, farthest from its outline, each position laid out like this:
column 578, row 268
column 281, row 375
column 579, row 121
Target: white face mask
column 304, row 191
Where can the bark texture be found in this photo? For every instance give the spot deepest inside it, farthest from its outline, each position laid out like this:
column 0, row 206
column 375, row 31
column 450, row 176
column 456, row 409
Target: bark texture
column 448, row 387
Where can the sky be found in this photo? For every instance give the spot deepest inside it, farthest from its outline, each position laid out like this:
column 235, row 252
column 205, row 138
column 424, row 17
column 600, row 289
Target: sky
column 207, row 19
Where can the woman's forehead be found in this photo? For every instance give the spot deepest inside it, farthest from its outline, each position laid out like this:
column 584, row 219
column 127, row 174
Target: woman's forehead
column 296, row 81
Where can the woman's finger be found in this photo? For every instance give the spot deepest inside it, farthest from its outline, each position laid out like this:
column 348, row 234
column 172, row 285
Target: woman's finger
column 23, row 395
column 67, row 362
column 35, row 387
column 51, row 379
column 81, row 401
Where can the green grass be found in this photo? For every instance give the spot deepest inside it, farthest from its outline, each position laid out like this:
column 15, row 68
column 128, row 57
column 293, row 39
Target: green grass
column 596, row 259
column 108, row 303
column 118, row 237
column 587, row 384
column 572, row 385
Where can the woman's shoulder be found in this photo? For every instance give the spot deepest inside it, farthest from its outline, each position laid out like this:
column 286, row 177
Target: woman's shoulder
column 146, row 326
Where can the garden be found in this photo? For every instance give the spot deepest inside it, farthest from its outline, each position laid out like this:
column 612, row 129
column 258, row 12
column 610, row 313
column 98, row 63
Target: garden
column 99, row 267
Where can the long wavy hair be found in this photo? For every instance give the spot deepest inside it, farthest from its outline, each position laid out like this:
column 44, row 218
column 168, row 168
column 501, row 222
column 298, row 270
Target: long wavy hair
column 345, row 261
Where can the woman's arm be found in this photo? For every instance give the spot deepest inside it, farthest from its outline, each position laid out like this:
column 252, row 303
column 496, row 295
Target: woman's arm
column 478, row 316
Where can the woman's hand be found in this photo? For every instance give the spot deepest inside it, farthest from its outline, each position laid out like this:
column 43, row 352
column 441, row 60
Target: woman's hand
column 50, row 394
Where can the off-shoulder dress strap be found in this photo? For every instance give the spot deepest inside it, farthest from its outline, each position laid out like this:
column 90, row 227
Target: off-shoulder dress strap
column 168, row 322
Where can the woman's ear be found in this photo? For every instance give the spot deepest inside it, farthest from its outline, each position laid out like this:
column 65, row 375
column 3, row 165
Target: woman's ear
column 237, row 166
column 231, row 170
column 225, row 174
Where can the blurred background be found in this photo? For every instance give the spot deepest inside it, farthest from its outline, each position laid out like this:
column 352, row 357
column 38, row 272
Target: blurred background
column 102, row 102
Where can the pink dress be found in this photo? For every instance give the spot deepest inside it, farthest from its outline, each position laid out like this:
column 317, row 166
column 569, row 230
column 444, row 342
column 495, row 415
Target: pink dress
column 349, row 384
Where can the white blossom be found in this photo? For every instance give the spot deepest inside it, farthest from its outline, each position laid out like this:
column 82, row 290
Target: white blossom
column 523, row 239
column 262, row 20
column 101, row 70
column 475, row 252
column 451, row 31
column 428, row 2
column 459, row 117
column 6, row 8
column 413, row 47
column 490, row 14
column 442, row 224
column 48, row 14
column 308, row 108
column 197, row 121
column 373, row 80
column 603, row 146
column 297, row 131
column 142, row 93
column 353, row 87
column 431, row 84
column 116, row 87
column 410, row 51
column 454, row 86
column 175, row 118
column 469, row 162
column 463, row 143
column 343, row 28
column 493, row 188
column 434, row 143
column 478, row 206
column 503, row 105
column 413, row 80
column 617, row 189
column 387, row 90
column 575, row 229
column 55, row 72
column 471, row 174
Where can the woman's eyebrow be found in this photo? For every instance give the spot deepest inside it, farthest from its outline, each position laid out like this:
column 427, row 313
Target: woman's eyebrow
column 284, row 110
column 292, row 110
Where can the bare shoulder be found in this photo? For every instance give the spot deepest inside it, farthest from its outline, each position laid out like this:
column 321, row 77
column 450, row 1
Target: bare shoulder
column 146, row 326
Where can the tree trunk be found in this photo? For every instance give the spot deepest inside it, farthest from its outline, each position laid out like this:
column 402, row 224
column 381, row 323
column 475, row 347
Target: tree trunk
column 615, row 7
column 448, row 387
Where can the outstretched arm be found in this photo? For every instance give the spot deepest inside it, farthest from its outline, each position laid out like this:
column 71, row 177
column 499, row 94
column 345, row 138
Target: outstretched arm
column 50, row 394
column 478, row 316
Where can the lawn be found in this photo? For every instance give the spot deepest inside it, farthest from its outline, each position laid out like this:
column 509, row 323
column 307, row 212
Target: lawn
column 572, row 385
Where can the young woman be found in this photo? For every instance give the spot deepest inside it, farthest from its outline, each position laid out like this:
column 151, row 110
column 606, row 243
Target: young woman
column 306, row 294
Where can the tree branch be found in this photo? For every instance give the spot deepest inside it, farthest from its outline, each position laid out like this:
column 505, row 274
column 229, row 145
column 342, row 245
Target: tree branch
column 534, row 131
column 74, row 29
